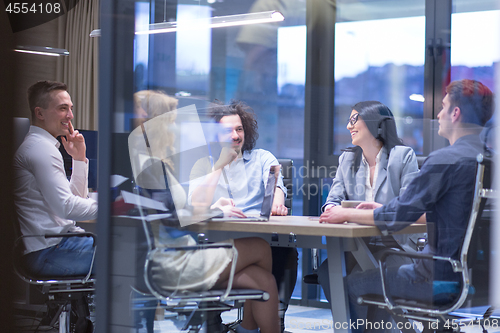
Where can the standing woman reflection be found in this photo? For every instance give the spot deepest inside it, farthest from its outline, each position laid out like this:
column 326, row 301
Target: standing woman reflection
column 201, row 269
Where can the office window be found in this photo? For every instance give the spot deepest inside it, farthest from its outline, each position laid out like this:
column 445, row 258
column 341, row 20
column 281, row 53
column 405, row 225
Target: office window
column 263, row 65
column 474, row 50
column 379, row 55
column 291, row 88
column 192, row 51
column 380, row 51
column 260, row 64
column 141, row 46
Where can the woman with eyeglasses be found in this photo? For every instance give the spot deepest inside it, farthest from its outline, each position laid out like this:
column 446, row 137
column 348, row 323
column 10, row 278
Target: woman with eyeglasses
column 376, row 169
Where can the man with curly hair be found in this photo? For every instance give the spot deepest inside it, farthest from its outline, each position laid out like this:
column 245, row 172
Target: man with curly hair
column 234, row 181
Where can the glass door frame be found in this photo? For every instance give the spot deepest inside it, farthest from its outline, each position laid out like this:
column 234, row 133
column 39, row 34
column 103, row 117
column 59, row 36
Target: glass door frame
column 116, row 89
column 437, row 65
column 117, row 19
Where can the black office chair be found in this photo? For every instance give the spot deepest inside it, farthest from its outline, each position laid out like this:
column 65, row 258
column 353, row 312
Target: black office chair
column 65, row 297
column 196, row 306
column 145, row 306
column 447, row 295
column 285, row 271
column 21, row 127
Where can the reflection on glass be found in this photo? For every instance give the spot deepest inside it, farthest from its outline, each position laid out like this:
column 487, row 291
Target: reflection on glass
column 192, row 50
column 141, row 47
column 160, row 154
column 262, row 65
column 380, row 57
column 291, row 83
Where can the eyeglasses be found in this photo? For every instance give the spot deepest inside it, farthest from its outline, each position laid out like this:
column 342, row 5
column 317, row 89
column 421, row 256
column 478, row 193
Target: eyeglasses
column 353, row 119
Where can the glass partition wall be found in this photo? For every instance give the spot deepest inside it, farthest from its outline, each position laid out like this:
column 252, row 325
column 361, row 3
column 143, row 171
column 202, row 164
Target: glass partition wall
column 158, row 89
column 301, row 77
column 262, row 65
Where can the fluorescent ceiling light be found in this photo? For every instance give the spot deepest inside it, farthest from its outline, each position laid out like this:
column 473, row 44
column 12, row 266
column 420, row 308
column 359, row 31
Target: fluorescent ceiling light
column 212, row 22
column 42, row 50
column 417, row 98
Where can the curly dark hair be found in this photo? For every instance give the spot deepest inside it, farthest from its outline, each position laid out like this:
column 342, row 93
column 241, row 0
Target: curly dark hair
column 247, row 115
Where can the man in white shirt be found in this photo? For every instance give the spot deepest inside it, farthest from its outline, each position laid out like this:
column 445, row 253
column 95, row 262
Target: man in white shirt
column 46, row 202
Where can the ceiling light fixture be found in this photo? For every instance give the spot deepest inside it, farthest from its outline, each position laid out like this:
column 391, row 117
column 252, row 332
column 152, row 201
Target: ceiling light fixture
column 417, row 98
column 42, row 50
column 212, row 22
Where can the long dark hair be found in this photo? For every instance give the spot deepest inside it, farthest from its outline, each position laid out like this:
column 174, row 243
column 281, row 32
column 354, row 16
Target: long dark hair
column 380, row 122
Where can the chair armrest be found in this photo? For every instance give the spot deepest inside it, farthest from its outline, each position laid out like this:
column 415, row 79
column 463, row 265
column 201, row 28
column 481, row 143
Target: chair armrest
column 65, row 235
column 382, row 266
column 198, row 247
column 455, row 263
column 416, row 255
column 69, row 234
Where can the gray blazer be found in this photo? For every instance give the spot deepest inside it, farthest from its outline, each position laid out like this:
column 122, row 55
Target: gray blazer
column 394, row 175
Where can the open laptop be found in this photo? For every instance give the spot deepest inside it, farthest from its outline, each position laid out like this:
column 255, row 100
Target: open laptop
column 267, row 203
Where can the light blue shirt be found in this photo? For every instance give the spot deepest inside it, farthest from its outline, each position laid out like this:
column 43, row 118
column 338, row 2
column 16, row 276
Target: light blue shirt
column 246, row 179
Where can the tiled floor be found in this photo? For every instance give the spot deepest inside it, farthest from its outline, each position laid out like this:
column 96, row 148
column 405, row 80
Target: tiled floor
column 308, row 320
column 297, row 320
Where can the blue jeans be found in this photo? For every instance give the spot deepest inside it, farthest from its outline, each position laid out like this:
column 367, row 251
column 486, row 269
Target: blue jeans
column 71, row 257
column 403, row 281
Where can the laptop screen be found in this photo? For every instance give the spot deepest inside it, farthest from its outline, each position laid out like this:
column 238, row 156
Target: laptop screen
column 267, row 203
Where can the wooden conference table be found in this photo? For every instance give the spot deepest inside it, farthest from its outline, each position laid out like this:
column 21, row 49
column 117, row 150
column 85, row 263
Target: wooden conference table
column 306, row 232
column 286, row 231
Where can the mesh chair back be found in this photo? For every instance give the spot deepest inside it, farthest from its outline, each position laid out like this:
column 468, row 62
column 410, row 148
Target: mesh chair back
column 457, row 292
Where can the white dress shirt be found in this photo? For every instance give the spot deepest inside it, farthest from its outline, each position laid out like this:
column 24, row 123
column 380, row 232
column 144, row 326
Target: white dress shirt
column 46, row 202
column 370, row 186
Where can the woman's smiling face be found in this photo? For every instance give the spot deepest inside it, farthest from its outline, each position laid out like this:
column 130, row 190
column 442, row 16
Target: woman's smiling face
column 360, row 134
